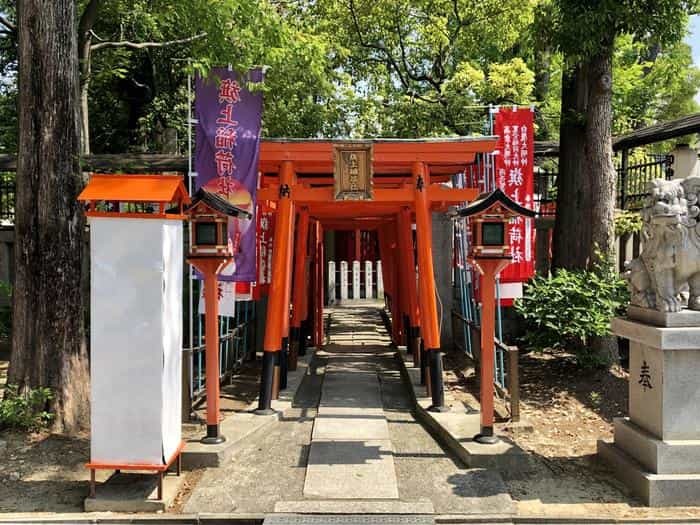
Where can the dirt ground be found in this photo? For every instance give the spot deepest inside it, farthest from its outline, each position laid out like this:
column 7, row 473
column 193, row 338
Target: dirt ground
column 44, row 472
column 568, row 410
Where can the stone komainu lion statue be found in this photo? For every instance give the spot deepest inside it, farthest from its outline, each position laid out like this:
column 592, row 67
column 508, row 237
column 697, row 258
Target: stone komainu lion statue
column 670, row 261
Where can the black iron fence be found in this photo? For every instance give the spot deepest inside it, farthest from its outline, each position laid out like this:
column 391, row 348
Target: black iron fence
column 7, row 198
column 632, row 179
column 236, row 344
column 545, row 190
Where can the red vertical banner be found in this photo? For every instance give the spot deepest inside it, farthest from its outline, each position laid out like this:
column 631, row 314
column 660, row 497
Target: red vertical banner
column 514, row 164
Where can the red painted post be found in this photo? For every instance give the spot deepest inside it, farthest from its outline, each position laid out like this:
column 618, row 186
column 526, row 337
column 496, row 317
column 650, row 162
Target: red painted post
column 278, row 301
column 211, row 293
column 319, row 284
column 210, row 267
column 489, row 269
column 426, row 283
column 409, row 270
column 300, row 287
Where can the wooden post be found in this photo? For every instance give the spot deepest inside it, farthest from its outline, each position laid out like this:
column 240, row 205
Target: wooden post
column 409, row 271
column 210, row 267
column 284, row 354
column 397, row 292
column 387, row 245
column 514, row 383
column 318, row 284
column 300, row 287
column 486, row 357
column 489, row 269
column 211, row 297
column 277, row 309
column 426, row 283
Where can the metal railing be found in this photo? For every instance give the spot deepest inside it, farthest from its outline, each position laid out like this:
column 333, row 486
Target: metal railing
column 631, row 182
column 506, row 377
column 545, row 196
column 632, row 179
column 7, row 198
column 236, row 344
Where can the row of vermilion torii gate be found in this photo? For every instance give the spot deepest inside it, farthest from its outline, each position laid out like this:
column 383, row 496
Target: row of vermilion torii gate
column 304, row 210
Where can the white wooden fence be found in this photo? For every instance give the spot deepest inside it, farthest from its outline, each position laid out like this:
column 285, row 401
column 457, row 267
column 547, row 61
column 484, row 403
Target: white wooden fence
column 353, row 282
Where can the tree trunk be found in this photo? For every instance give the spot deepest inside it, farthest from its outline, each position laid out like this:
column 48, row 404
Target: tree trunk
column 84, row 107
column 48, row 332
column 599, row 159
column 87, row 21
column 572, row 229
column 586, row 182
column 599, row 155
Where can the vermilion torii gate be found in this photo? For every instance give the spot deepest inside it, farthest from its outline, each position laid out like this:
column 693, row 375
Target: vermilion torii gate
column 298, row 183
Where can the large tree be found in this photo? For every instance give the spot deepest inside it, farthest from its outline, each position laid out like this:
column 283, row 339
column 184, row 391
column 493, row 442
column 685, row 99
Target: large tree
column 48, row 332
column 586, row 33
column 54, row 38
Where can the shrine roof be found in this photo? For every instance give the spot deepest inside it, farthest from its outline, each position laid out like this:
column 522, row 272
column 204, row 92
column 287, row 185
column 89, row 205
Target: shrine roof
column 390, row 155
column 218, row 203
column 484, row 201
column 135, row 188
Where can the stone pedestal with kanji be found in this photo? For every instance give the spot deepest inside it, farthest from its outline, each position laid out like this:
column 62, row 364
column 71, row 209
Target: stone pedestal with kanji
column 656, row 450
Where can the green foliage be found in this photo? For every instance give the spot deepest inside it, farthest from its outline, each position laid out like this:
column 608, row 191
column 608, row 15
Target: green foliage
column 511, row 82
column 569, row 308
column 358, row 68
column 628, row 222
column 654, row 78
column 652, row 84
column 421, row 66
column 25, row 410
column 584, row 29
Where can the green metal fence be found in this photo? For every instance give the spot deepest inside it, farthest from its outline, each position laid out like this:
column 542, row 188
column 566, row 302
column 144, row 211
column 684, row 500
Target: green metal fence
column 236, row 345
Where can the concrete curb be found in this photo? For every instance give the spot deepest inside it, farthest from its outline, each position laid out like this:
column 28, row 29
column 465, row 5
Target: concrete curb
column 240, row 425
column 454, row 429
column 257, row 519
column 146, row 519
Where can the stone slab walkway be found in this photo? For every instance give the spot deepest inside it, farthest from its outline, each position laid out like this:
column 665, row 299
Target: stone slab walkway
column 349, row 445
column 351, row 455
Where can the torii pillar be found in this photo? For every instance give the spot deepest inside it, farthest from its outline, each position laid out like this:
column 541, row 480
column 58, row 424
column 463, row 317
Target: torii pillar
column 408, row 273
column 278, row 302
column 430, row 329
column 300, row 293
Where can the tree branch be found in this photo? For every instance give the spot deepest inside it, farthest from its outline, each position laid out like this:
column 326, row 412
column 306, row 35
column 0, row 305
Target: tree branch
column 389, row 59
column 12, row 28
column 144, row 45
column 423, row 77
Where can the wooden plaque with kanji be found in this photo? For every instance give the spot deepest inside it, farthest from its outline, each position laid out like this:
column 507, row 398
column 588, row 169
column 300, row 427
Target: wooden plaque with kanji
column 353, row 171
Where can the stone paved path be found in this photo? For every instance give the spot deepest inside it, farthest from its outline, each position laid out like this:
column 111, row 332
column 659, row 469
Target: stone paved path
column 351, row 455
column 349, row 445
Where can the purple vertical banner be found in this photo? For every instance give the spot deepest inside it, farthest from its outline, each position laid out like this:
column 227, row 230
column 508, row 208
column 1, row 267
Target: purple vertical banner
column 226, row 156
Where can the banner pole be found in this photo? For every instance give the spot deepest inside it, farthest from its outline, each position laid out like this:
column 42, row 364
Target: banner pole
column 190, row 270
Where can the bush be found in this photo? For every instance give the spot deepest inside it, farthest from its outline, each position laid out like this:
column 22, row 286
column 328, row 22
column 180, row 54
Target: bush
column 25, row 410
column 627, row 223
column 571, row 307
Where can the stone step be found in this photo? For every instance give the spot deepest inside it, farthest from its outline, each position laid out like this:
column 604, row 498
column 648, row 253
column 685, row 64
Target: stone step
column 656, row 490
column 356, row 507
column 351, row 470
column 286, row 519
